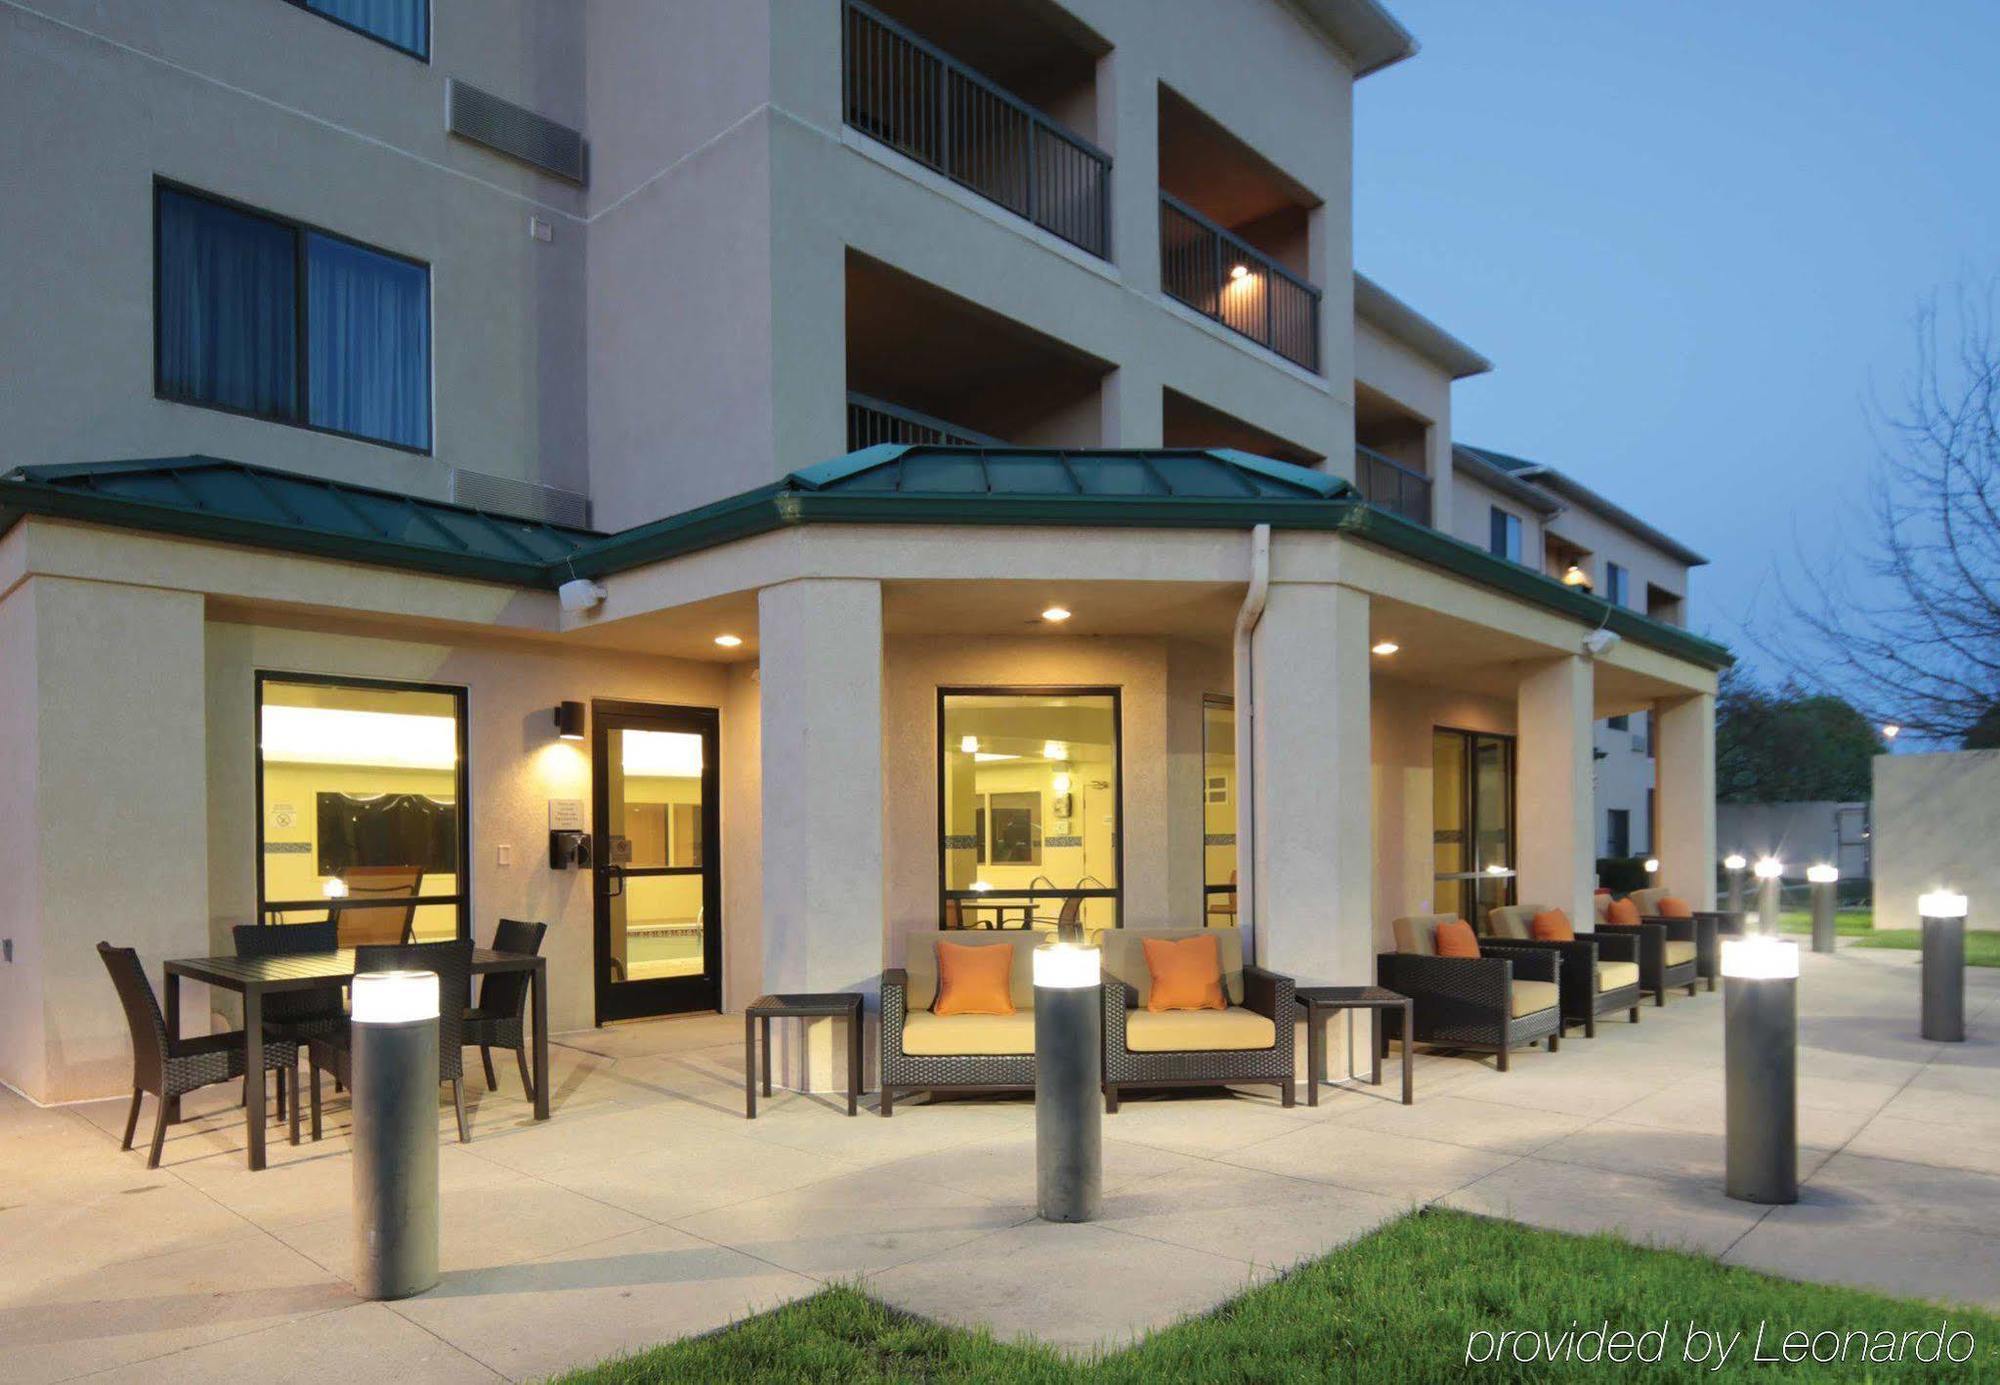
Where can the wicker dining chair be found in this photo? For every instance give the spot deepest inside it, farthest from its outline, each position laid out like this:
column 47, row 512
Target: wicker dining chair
column 452, row 961
column 169, row 1066
column 499, row 1020
column 299, row 1016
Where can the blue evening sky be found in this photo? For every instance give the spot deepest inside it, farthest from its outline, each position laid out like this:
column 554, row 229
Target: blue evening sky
column 1691, row 237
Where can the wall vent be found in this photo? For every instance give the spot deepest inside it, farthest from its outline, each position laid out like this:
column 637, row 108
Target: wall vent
column 523, row 499
column 516, row 131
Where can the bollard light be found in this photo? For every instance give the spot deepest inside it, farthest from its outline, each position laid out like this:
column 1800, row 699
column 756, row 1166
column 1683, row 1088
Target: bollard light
column 394, row 1067
column 1069, row 1122
column 1822, row 879
column 1760, row 1019
column 1941, row 915
column 1735, row 865
column 1770, row 873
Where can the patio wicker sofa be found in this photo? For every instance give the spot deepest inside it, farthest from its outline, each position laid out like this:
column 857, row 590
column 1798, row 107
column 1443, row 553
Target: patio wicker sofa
column 1506, row 998
column 1249, row 1042
column 1600, row 972
column 926, row 1052
column 1670, row 949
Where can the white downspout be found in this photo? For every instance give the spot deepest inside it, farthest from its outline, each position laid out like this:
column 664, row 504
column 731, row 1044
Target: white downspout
column 1246, row 738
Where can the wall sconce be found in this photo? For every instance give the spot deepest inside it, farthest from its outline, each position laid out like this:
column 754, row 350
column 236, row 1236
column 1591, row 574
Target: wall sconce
column 570, row 721
column 1575, row 576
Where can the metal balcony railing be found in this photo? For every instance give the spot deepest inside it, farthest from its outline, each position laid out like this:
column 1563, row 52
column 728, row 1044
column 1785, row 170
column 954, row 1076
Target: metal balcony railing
column 871, row 421
column 922, row 102
column 1222, row 276
column 1389, row 485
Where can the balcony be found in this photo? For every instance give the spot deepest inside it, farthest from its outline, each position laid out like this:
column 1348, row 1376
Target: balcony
column 871, row 421
column 1219, row 275
column 1389, row 485
column 915, row 97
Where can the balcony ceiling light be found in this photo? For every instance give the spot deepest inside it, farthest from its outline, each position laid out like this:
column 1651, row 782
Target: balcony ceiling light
column 1575, row 576
column 1384, row 647
column 1239, row 271
column 1056, row 614
column 729, row 641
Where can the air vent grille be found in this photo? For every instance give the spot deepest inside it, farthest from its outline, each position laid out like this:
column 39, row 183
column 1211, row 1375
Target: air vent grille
column 523, row 499
column 516, row 131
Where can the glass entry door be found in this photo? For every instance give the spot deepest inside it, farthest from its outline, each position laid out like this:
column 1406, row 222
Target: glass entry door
column 1472, row 817
column 658, row 884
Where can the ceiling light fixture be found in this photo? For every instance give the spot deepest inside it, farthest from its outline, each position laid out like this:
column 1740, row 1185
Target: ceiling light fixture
column 1239, row 271
column 729, row 641
column 1575, row 576
column 1056, row 614
column 1385, row 647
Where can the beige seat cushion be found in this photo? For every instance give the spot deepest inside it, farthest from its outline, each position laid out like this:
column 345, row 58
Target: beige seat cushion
column 1678, row 952
column 1530, row 996
column 940, row 1036
column 1125, row 957
column 1601, row 904
column 1649, row 901
column 920, row 963
column 1513, row 920
column 1416, row 934
column 1612, row 976
column 1179, row 1031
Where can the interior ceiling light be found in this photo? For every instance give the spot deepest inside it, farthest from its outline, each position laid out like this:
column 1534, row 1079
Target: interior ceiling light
column 968, row 745
column 729, row 641
column 1057, row 614
column 1384, row 647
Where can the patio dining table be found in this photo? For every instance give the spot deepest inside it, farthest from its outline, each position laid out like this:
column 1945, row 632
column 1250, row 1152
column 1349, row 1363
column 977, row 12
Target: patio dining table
column 253, row 978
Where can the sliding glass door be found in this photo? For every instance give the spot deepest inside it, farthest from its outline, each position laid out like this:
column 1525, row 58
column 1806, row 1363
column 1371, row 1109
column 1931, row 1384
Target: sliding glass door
column 1472, row 813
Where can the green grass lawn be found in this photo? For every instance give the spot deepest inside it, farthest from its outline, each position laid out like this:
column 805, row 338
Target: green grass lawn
column 1982, row 948
column 1399, row 1305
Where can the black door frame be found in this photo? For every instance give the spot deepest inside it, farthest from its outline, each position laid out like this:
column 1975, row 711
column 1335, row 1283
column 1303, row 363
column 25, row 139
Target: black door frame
column 669, row 995
column 1469, row 805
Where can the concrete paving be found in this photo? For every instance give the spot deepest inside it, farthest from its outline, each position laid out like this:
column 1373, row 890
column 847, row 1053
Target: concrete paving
column 648, row 1208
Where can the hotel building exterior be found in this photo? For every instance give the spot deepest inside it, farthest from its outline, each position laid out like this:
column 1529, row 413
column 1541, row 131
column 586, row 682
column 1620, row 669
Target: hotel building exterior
column 765, row 376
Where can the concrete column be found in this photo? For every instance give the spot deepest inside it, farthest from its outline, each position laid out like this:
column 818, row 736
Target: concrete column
column 821, row 713
column 103, row 749
column 1554, row 793
column 1128, row 127
column 1684, row 763
column 1314, row 896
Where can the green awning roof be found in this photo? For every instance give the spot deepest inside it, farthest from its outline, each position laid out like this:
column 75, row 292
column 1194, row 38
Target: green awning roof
column 1163, row 488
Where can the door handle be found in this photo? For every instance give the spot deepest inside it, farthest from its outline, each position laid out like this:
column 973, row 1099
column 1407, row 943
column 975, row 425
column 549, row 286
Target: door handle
column 613, row 876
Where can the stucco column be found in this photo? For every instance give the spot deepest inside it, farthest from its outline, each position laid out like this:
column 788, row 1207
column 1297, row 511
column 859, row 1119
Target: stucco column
column 103, row 778
column 1684, row 769
column 1314, row 851
column 820, row 662
column 1554, row 798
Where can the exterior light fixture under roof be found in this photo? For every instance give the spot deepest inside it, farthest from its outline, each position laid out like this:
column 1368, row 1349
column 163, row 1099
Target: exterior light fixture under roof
column 1575, row 576
column 1384, row 647
column 1239, row 271
column 1056, row 615
column 570, row 721
column 729, row 641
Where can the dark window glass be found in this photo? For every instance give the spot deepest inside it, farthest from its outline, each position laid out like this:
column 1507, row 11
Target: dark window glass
column 1617, row 584
column 404, row 24
column 1505, row 535
column 368, row 342
column 1618, row 833
column 1619, row 723
column 228, row 308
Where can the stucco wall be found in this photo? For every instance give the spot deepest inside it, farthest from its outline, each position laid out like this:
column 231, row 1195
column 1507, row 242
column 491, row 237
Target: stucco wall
column 1936, row 819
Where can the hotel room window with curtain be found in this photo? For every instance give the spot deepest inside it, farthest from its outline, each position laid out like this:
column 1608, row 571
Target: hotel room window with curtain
column 351, row 354
column 403, row 24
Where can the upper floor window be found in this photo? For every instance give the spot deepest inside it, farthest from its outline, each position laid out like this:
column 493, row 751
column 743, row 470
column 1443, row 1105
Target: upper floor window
column 1617, row 585
column 270, row 318
column 404, row 24
column 1504, row 539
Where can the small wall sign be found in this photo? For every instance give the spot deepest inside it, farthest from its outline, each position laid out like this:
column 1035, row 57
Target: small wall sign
column 566, row 815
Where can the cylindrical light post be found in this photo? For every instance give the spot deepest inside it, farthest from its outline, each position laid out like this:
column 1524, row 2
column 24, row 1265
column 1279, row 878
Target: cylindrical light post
column 1069, row 1119
column 1770, row 883
column 1734, row 865
column 1760, row 1038
column 1943, row 920
column 1824, row 881
column 395, row 1085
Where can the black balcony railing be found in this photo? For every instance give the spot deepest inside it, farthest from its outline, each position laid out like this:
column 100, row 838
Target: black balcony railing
column 871, row 421
column 921, row 102
column 1389, row 485
column 1222, row 276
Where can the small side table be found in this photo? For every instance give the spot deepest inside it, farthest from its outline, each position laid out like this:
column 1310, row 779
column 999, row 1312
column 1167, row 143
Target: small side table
column 844, row 1005
column 1320, row 1002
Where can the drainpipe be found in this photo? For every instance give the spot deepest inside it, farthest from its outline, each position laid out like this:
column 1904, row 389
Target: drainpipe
column 1246, row 738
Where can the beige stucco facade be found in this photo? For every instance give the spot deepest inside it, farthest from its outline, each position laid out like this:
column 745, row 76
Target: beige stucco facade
column 1933, row 819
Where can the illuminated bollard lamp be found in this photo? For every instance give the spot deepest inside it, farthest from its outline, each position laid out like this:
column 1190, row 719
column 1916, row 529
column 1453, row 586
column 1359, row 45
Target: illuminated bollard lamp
column 1760, row 1036
column 394, row 1066
column 1943, row 920
column 1823, row 880
column 1734, row 865
column 1069, row 1119
column 1770, row 883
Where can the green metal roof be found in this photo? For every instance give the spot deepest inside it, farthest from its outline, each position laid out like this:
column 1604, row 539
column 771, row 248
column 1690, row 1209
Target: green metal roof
column 209, row 498
column 206, row 498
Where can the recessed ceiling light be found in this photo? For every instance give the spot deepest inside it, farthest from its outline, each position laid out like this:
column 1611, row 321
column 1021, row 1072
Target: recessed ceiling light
column 1385, row 647
column 1057, row 614
column 729, row 641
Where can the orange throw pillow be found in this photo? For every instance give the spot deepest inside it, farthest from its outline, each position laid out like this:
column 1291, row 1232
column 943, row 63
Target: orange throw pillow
column 974, row 979
column 1622, row 911
column 1187, row 974
column 1673, row 908
column 1455, row 940
column 1551, row 927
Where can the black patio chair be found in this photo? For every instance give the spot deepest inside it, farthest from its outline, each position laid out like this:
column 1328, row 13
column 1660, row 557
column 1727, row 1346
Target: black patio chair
column 499, row 1020
column 169, row 1066
column 452, row 961
column 297, row 1016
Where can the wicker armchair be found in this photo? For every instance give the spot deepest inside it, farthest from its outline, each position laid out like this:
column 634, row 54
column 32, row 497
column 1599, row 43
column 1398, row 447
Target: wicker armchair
column 1669, row 949
column 1249, row 1043
column 926, row 1052
column 452, row 961
column 169, row 1066
column 1506, row 998
column 1600, row 972
column 1710, row 927
column 499, row 1020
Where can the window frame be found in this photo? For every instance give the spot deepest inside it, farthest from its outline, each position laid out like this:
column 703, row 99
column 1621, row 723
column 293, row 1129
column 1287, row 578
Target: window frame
column 302, row 364
column 461, row 712
column 430, row 18
column 1500, row 521
column 1617, row 583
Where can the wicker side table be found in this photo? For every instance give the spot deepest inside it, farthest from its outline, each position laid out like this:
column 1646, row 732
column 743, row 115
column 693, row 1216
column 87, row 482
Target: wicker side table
column 843, row 1005
column 1320, row 1002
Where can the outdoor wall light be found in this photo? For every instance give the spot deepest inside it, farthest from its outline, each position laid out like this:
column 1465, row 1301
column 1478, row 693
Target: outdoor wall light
column 1385, row 648
column 1239, row 272
column 1056, row 615
column 570, row 721
column 1575, row 576
column 729, row 641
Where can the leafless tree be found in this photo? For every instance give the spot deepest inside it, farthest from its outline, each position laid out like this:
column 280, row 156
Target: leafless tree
column 1905, row 623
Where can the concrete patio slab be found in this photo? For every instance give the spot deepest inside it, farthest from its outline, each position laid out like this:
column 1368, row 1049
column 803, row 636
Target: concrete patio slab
column 1681, row 1212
